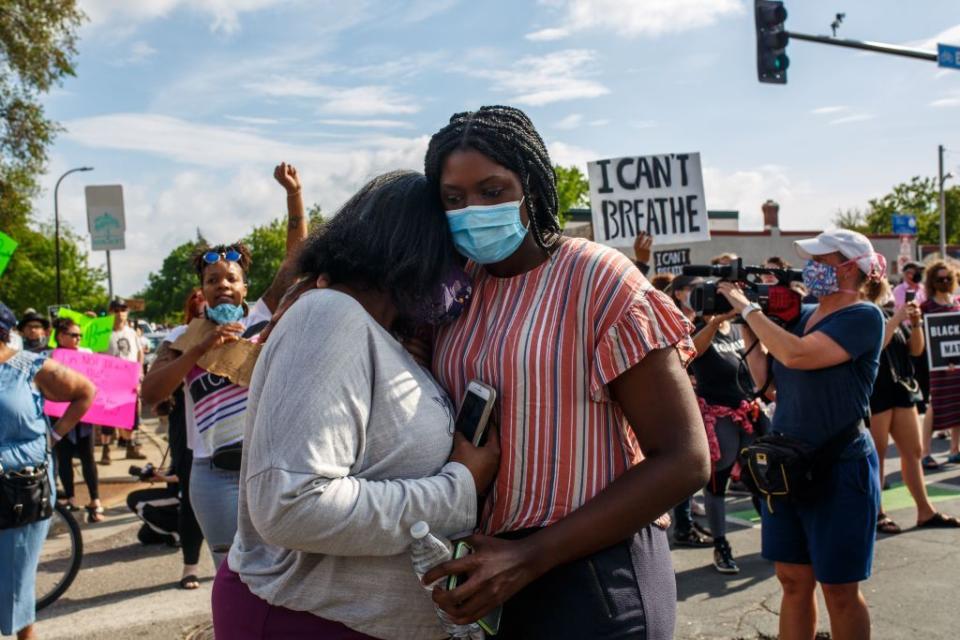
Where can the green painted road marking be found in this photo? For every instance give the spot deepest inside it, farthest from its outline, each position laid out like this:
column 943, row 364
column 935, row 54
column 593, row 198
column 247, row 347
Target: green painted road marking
column 896, row 497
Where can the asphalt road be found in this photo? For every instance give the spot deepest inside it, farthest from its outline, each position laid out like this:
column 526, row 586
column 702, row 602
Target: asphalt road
column 126, row 590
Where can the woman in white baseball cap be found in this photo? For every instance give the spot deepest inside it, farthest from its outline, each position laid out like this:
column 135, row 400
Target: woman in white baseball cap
column 824, row 368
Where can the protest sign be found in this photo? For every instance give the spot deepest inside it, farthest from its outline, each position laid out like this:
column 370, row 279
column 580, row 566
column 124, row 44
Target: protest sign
column 116, row 380
column 105, row 217
column 96, row 331
column 233, row 360
column 943, row 340
column 662, row 195
column 671, row 261
column 7, row 246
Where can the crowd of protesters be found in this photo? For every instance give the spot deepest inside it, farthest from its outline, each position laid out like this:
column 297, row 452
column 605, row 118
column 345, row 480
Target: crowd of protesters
column 617, row 401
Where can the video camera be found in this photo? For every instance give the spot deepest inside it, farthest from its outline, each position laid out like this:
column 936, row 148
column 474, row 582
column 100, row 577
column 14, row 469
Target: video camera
column 778, row 301
column 144, row 473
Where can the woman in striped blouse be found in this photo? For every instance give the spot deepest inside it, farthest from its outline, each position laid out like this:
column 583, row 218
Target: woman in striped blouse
column 600, row 430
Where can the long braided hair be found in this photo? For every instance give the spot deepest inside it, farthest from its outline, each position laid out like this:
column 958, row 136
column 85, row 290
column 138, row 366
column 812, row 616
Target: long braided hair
column 507, row 136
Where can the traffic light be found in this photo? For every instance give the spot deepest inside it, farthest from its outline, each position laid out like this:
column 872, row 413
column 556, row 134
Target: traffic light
column 772, row 39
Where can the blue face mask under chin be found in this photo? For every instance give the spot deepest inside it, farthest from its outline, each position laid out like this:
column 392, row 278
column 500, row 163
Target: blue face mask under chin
column 487, row 234
column 225, row 313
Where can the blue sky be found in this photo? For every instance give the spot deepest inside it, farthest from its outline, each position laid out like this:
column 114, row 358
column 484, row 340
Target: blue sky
column 189, row 104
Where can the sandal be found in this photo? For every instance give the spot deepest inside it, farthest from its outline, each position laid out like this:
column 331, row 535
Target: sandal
column 94, row 514
column 930, row 464
column 886, row 525
column 189, row 582
column 939, row 521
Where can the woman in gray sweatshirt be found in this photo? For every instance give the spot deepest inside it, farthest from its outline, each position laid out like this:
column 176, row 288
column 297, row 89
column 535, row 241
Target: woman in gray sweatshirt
column 348, row 439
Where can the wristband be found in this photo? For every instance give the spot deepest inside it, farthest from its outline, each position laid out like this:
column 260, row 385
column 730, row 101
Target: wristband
column 291, row 194
column 56, row 436
column 750, row 308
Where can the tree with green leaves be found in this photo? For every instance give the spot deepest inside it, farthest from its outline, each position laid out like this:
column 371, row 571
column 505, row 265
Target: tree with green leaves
column 572, row 191
column 919, row 197
column 37, row 46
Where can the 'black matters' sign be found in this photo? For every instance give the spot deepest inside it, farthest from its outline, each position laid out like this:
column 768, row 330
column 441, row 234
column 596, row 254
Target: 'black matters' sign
column 662, row 195
column 671, row 261
column 943, row 340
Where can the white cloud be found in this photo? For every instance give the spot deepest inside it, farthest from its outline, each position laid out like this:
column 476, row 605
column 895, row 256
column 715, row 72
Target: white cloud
column 253, row 120
column 635, row 18
column 602, row 122
column 829, row 110
column 746, row 190
column 370, row 124
column 546, row 35
column 846, row 114
column 539, row 80
column 223, row 14
column 140, row 51
column 856, row 117
column 570, row 155
column 950, row 35
column 950, row 100
column 643, row 124
column 227, row 170
column 369, row 100
column 572, row 121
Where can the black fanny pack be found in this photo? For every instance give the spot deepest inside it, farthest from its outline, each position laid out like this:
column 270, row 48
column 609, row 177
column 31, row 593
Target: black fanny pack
column 25, row 497
column 778, row 466
column 228, row 457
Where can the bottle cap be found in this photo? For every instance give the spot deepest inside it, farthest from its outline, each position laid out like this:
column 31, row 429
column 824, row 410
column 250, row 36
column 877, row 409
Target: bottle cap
column 419, row 530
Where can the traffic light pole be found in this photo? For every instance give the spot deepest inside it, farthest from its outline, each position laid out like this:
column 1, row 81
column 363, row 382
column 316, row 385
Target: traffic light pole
column 876, row 47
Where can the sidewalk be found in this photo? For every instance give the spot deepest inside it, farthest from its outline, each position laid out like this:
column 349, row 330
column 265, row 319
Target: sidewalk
column 115, row 480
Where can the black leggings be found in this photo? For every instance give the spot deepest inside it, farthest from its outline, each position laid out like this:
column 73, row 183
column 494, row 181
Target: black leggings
column 191, row 537
column 66, row 450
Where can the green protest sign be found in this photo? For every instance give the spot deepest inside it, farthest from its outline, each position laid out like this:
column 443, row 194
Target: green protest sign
column 96, row 331
column 7, row 247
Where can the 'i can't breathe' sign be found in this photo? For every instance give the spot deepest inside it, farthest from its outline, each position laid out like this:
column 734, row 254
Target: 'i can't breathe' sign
column 662, row 195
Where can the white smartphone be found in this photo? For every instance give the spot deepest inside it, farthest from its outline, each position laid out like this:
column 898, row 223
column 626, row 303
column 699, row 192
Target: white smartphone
column 475, row 411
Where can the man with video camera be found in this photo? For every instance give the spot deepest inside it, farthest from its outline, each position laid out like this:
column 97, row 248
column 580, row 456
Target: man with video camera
column 823, row 367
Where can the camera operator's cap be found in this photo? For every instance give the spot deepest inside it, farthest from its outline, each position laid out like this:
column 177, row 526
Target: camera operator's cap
column 912, row 264
column 682, row 282
column 851, row 244
column 33, row 317
column 118, row 303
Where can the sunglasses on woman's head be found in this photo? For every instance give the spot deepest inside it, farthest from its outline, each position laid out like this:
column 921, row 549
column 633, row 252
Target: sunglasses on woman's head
column 213, row 257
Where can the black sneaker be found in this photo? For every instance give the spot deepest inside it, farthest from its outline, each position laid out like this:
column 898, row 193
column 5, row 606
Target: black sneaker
column 723, row 558
column 691, row 538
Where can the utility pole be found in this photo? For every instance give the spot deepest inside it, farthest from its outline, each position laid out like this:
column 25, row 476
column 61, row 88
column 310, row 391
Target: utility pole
column 943, row 207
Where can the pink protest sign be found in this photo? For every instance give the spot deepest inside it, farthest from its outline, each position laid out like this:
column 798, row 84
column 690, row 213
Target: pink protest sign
column 116, row 381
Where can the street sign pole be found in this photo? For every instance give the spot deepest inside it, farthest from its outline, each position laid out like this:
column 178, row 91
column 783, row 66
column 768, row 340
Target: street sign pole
column 943, row 209
column 109, row 277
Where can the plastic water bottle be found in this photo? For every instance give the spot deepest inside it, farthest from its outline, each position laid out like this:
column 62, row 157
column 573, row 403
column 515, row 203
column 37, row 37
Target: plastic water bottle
column 426, row 552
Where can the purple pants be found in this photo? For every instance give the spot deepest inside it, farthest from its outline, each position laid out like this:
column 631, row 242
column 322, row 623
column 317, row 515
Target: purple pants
column 238, row 614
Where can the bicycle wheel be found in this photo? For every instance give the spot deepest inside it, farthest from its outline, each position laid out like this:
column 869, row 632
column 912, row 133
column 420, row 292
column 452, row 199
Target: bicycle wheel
column 59, row 558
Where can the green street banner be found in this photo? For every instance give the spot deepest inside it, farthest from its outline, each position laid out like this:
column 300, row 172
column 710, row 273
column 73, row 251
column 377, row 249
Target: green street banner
column 7, row 246
column 96, row 331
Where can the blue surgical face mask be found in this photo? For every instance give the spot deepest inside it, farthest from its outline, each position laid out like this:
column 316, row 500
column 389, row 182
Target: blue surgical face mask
column 225, row 313
column 487, row 234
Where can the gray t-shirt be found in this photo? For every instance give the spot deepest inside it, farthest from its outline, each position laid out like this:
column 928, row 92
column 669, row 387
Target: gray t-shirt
column 346, row 446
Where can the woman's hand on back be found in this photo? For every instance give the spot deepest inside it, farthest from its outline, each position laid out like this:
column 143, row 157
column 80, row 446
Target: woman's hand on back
column 482, row 462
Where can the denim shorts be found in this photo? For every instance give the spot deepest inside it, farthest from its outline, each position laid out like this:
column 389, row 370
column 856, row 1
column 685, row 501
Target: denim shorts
column 836, row 534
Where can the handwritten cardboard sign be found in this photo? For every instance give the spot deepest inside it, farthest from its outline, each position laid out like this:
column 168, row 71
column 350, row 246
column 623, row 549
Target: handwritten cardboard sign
column 96, row 331
column 115, row 404
column 234, row 360
column 661, row 195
